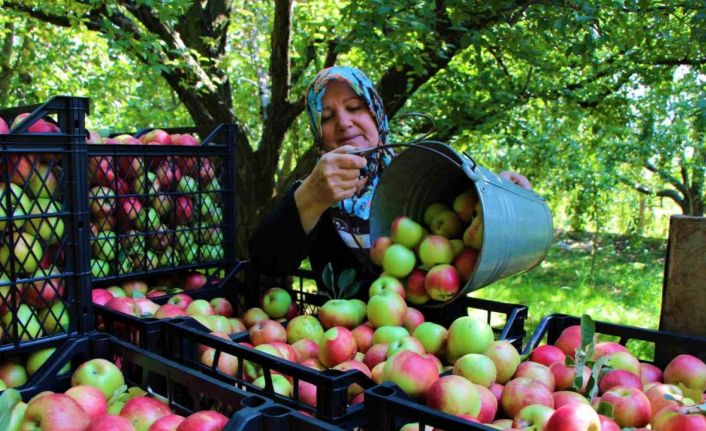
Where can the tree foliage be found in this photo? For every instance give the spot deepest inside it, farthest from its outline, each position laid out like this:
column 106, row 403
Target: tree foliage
column 558, row 90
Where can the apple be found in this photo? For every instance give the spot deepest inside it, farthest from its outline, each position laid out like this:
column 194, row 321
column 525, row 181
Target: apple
column 44, row 290
column 254, row 315
column 406, row 232
column 615, row 378
column 675, row 418
column 363, row 335
column 276, row 301
column 574, row 417
column 13, row 374
column 687, row 370
column 537, row 372
column 432, row 336
column 547, row 354
column 376, row 354
column 162, row 204
column 650, row 373
column 465, row 206
column 442, row 282
column 455, row 395
column 116, row 291
column 156, row 136
column 35, row 360
column 631, row 407
column 465, row 263
column 143, row 411
column 336, row 345
column 412, row 319
column 147, row 220
column 477, row 368
column 206, row 420
column 55, row 412
column 236, row 325
column 99, row 373
column 222, row 307
column 42, row 181
column 199, row 307
column 167, row 423
column 623, row 360
column 24, row 252
column 433, row 210
column 568, row 397
column 435, row 250
column 387, row 334
column 468, row 334
column 305, row 349
column 447, row 224
column 99, row 268
column 404, row 343
column 473, row 235
column 194, row 280
column 533, row 417
column 523, row 391
column 656, row 396
column 101, row 200
column 569, row 340
column 49, row 229
column 304, row 327
column 415, row 293
column 181, row 300
column 267, row 331
column 55, row 318
column 227, row 364
column 111, row 423
column 605, row 347
column 564, row 376
column 339, row 312
column 91, row 400
column 384, row 283
column 412, row 372
column 354, row 389
column 398, row 261
column 26, row 321
column 4, row 128
column 377, row 250
column 386, row 309
column 104, row 246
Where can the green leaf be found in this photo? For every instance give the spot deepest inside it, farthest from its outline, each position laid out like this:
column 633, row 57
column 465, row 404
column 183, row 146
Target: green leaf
column 8, row 400
column 352, row 291
column 605, row 409
column 327, row 276
column 346, row 279
column 117, row 394
column 588, row 331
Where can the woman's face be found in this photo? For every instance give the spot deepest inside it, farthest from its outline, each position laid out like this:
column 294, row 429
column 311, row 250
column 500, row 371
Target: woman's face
column 346, row 119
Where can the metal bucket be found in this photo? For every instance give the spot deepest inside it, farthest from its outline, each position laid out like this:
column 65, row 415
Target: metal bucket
column 517, row 224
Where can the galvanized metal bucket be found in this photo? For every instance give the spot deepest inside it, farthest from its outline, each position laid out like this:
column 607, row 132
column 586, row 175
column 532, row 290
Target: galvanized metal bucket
column 517, row 225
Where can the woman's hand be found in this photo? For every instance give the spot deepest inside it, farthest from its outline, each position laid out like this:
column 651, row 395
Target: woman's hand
column 335, row 177
column 516, row 178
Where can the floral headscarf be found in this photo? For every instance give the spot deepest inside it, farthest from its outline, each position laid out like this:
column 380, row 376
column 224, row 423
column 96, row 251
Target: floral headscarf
column 351, row 216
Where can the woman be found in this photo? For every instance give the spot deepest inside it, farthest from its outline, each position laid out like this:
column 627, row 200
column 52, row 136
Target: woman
column 326, row 216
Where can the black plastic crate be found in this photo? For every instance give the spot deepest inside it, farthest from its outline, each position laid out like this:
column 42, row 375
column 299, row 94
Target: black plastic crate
column 159, row 208
column 655, row 347
column 183, row 389
column 146, row 332
column 389, row 408
column 183, row 336
column 43, row 219
column 507, row 320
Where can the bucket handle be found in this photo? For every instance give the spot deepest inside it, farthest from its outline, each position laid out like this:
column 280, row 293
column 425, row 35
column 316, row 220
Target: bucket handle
column 416, row 144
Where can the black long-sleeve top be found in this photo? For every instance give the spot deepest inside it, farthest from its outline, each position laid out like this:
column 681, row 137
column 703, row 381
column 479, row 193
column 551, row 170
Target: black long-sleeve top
column 279, row 243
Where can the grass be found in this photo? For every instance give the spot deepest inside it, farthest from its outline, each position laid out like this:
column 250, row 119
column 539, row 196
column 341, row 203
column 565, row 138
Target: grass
column 612, row 278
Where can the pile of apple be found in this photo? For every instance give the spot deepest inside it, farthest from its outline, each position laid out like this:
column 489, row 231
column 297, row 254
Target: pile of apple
column 134, row 298
column 614, row 390
column 153, row 212
column 384, row 339
column 437, row 258
column 31, row 252
column 99, row 400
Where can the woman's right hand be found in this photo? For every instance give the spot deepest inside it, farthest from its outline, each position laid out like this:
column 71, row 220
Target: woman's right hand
column 335, row 177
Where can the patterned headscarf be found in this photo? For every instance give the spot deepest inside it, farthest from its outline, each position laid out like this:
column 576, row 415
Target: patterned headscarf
column 351, row 216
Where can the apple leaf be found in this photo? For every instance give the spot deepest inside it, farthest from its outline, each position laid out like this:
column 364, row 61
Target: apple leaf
column 8, row 400
column 585, row 352
column 346, row 279
column 605, row 409
column 327, row 279
column 117, row 394
column 596, row 373
column 352, row 291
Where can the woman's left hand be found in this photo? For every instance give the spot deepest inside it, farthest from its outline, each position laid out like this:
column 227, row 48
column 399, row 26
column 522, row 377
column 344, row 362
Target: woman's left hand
column 516, row 178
